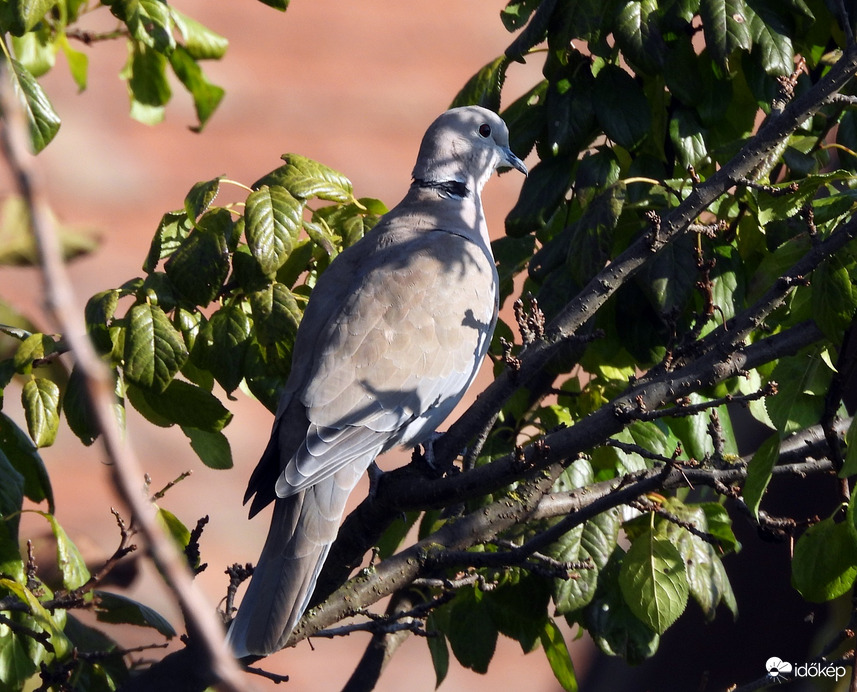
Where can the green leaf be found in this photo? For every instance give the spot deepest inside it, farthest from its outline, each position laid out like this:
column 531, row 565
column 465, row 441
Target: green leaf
column 833, row 299
column 272, row 222
column 471, row 632
column 518, row 609
column 42, row 120
column 276, row 314
column 148, row 87
column 517, row 13
column 543, row 189
column 35, row 51
column 437, row 644
column 201, row 264
column 759, row 472
column 28, row 13
column 211, row 447
column 594, row 540
column 206, row 96
column 687, row 136
column 71, row 563
column 772, row 36
column 78, row 63
column 483, row 88
column 11, row 497
column 41, row 399
column 706, row 575
column 612, row 624
column 181, row 403
column 23, row 455
column 395, row 533
column 200, row 42
column 39, row 619
column 276, row 4
column 824, row 565
column 306, row 178
column 78, row 410
column 174, row 227
column 98, row 313
column 849, row 468
column 173, row 527
column 119, row 609
column 802, row 384
column 621, row 107
column 724, row 25
column 222, row 343
column 149, row 22
column 654, row 581
column 34, row 347
column 154, row 349
column 105, row 673
column 558, row 656
column 200, row 197
column 16, row 664
column 639, row 36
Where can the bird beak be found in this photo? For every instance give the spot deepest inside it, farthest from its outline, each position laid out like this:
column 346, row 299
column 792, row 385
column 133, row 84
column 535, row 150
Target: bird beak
column 509, row 159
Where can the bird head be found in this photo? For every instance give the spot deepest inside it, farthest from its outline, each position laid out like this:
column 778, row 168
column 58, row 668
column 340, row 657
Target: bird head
column 465, row 146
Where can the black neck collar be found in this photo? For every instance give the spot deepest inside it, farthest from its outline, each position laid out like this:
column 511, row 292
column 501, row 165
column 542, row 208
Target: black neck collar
column 445, row 188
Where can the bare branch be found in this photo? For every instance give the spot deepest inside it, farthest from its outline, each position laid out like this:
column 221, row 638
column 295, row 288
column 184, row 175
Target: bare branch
column 99, row 387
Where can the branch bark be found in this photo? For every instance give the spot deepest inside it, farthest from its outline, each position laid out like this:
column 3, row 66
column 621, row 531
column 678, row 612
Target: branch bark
column 202, row 623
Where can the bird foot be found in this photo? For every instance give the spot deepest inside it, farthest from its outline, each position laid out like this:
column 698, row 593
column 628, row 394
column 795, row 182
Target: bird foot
column 424, row 454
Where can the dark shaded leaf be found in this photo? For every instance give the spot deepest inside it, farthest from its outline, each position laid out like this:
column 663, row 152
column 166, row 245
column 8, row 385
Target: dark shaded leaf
column 12, row 485
column 824, row 565
column 119, row 609
column 221, row 345
column 541, row 192
column 724, row 25
column 201, row 264
column 23, row 455
column 181, row 404
column 759, row 472
column 211, row 447
column 471, row 631
column 483, row 88
column 199, row 199
column 621, row 107
column 206, row 96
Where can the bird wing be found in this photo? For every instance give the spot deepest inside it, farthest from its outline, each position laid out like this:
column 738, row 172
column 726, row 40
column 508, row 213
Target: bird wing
column 391, row 360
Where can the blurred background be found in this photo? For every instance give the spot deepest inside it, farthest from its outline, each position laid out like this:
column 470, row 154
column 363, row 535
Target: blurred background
column 353, row 85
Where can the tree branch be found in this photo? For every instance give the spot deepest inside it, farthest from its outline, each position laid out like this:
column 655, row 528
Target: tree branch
column 127, row 474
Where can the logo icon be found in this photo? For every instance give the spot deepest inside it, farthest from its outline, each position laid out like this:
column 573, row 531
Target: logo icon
column 777, row 667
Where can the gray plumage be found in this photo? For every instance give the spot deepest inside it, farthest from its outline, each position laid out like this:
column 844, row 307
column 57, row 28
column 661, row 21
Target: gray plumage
column 394, row 333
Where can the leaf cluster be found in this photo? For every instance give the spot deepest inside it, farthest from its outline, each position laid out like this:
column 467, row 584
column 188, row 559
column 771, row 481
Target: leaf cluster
column 161, row 40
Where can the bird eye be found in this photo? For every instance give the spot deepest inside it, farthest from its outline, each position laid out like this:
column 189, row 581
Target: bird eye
column 485, row 130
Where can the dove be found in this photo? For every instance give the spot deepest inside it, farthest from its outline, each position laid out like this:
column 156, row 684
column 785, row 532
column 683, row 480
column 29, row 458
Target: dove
column 393, row 334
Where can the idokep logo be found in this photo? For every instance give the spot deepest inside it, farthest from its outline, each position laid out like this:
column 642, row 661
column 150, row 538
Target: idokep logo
column 778, row 669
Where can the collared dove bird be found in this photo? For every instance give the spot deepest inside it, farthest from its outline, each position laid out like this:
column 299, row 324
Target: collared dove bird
column 394, row 333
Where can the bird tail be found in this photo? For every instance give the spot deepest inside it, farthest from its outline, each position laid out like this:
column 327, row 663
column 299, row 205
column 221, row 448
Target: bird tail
column 303, row 528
